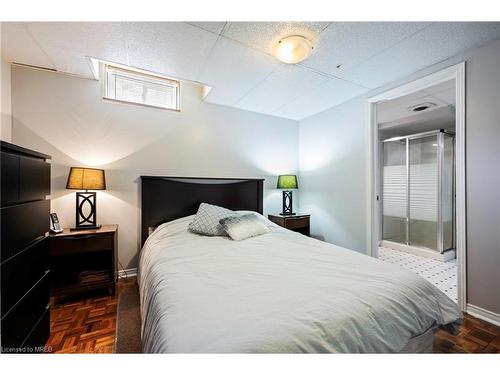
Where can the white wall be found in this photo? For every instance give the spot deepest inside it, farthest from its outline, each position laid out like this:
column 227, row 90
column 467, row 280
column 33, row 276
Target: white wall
column 65, row 117
column 334, row 144
column 332, row 168
column 5, row 102
column 483, row 177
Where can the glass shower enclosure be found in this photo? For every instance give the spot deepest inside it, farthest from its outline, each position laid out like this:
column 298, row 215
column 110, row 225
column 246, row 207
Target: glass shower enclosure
column 418, row 192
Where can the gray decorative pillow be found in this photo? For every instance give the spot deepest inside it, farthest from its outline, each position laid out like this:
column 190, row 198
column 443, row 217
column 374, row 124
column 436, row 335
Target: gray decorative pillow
column 243, row 226
column 207, row 219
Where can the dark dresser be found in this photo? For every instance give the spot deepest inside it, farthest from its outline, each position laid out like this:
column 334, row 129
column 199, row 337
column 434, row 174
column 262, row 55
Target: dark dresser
column 24, row 217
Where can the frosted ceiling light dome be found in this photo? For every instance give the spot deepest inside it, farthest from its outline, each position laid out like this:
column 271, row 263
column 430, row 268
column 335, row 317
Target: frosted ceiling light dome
column 293, row 49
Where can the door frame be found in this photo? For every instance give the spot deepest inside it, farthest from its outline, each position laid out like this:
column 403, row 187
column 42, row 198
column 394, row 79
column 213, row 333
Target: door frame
column 456, row 73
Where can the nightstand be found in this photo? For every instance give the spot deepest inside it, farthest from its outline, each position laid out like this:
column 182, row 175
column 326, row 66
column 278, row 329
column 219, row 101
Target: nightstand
column 83, row 260
column 298, row 223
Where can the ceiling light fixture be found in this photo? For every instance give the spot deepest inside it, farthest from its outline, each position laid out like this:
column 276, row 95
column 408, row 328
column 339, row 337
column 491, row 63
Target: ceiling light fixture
column 293, row 49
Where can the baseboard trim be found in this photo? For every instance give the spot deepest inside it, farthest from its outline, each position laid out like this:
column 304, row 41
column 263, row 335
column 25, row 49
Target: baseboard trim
column 130, row 272
column 484, row 314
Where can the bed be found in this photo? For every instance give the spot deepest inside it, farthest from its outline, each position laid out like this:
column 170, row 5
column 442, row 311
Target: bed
column 280, row 292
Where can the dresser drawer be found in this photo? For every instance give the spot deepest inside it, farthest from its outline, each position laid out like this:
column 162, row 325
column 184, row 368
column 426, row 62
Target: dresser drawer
column 23, row 224
column 81, row 244
column 22, row 271
column 296, row 223
column 34, row 179
column 20, row 320
column 24, row 179
column 9, row 167
column 39, row 334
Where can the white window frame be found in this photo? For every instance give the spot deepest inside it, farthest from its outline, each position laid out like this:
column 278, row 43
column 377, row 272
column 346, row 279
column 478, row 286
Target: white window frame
column 146, row 77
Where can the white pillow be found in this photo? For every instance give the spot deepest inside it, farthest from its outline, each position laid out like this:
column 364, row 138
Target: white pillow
column 207, row 219
column 243, row 226
column 268, row 223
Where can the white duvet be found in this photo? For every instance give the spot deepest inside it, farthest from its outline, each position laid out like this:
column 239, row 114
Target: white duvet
column 280, row 292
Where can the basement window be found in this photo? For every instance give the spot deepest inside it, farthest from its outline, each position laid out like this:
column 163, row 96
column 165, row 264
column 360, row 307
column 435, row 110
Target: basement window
column 137, row 87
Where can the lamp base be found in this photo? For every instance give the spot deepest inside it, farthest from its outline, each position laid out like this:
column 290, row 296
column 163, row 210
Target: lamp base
column 287, row 203
column 85, row 227
column 86, row 217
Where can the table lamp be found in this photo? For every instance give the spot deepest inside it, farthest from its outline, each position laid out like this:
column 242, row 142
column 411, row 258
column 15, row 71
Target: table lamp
column 287, row 182
column 81, row 178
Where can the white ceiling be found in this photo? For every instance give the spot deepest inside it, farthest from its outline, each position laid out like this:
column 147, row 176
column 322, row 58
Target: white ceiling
column 395, row 118
column 443, row 95
column 235, row 58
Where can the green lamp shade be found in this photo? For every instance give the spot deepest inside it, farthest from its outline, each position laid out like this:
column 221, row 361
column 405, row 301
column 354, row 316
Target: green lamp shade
column 287, row 181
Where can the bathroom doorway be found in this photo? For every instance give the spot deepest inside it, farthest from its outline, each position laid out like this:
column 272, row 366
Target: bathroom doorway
column 417, row 169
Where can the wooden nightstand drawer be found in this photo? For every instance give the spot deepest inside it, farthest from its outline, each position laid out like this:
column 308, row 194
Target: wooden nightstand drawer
column 81, row 244
column 296, row 223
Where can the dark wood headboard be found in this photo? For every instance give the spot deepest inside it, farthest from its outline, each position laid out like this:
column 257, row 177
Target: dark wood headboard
column 165, row 199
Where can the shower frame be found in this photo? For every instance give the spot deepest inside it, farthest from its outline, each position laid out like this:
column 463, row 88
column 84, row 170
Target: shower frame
column 440, row 134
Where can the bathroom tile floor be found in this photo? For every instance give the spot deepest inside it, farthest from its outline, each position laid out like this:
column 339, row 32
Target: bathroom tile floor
column 441, row 274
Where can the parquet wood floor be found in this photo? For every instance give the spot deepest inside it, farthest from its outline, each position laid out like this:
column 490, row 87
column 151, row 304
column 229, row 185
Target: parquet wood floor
column 85, row 325
column 88, row 326
column 475, row 336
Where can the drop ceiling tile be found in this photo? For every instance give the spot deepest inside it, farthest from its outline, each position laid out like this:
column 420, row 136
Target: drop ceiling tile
column 19, row 46
column 349, row 43
column 436, row 43
column 176, row 49
column 69, row 44
column 233, row 70
column 213, row 27
column 264, row 35
column 332, row 93
column 240, row 73
column 282, row 86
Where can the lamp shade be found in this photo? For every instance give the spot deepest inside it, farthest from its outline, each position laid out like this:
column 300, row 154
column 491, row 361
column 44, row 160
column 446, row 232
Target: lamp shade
column 86, row 179
column 287, row 181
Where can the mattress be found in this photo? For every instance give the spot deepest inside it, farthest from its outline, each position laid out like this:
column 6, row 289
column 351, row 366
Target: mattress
column 280, row 292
